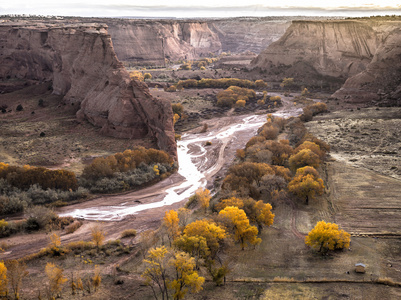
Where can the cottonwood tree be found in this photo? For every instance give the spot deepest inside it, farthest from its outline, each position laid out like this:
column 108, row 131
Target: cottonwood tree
column 258, row 212
column 186, row 278
column 156, row 271
column 3, row 280
column 171, row 223
column 305, row 157
column 203, row 196
column 237, row 222
column 327, row 236
column 306, row 185
column 213, row 234
column 97, row 235
column 56, row 279
column 16, row 272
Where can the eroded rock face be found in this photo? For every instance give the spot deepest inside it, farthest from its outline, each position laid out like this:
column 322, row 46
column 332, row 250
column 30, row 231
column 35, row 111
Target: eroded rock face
column 144, row 42
column 149, row 42
column 365, row 54
column 381, row 81
column 80, row 61
column 330, row 48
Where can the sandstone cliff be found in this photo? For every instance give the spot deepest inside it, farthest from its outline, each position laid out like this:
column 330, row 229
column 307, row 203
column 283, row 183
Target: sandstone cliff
column 381, row 81
column 149, row 42
column 80, row 61
column 248, row 34
column 366, row 53
column 333, row 48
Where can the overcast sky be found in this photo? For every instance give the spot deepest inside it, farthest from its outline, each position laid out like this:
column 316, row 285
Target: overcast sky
column 202, row 8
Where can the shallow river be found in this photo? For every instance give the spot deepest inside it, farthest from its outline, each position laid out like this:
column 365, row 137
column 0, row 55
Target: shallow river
column 190, row 165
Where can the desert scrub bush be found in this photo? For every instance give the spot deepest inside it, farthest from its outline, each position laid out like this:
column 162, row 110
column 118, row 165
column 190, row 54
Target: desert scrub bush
column 80, row 246
column 170, row 89
column 128, row 233
column 177, row 108
column 231, row 95
column 73, row 227
column 136, row 75
column 38, row 217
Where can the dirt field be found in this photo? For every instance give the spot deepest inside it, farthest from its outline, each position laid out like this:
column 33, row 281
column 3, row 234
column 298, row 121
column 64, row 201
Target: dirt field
column 66, row 143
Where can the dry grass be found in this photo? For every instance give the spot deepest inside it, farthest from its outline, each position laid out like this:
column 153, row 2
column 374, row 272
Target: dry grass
column 128, row 233
column 73, row 227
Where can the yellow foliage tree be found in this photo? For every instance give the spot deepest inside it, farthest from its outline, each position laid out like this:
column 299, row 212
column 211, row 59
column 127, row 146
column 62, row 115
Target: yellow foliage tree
column 327, row 236
column 306, row 185
column 156, row 270
column 213, row 234
column 233, row 201
column 186, row 278
column 203, row 196
column 97, row 235
column 171, row 223
column 56, row 279
column 237, row 221
column 196, row 246
column 3, row 280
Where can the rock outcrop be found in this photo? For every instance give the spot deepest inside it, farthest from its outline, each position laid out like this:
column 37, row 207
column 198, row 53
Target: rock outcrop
column 80, row 61
column 380, row 82
column 364, row 54
column 142, row 42
column 335, row 48
column 150, row 42
column 240, row 35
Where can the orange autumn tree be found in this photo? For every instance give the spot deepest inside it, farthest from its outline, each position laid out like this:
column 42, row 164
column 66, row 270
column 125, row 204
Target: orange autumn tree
column 327, row 236
column 237, row 222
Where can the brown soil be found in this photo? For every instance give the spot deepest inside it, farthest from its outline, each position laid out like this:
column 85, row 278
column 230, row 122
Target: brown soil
column 66, row 144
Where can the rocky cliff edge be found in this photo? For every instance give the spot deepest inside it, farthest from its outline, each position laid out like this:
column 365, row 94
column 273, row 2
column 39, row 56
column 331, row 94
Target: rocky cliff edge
column 80, row 61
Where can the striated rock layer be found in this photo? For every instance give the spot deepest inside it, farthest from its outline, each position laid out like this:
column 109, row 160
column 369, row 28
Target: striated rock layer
column 362, row 53
column 380, row 82
column 144, row 42
column 150, row 42
column 80, row 61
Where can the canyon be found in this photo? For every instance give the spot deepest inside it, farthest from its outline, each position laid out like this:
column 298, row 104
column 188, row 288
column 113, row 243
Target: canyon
column 89, row 76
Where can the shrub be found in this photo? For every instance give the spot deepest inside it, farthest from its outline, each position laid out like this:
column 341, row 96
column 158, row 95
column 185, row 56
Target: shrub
column 136, row 75
column 128, row 233
column 73, row 227
column 177, row 108
column 171, row 88
column 19, row 107
column 39, row 217
column 80, row 246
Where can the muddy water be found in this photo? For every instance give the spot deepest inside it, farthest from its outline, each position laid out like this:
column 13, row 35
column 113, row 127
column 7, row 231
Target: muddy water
column 190, row 164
